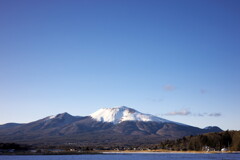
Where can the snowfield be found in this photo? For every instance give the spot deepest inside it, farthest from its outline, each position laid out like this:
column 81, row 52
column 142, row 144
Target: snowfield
column 123, row 113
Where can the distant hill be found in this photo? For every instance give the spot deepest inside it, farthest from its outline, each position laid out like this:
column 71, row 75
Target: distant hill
column 107, row 126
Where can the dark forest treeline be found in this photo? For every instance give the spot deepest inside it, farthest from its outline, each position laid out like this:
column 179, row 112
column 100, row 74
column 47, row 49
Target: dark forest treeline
column 14, row 146
column 209, row 141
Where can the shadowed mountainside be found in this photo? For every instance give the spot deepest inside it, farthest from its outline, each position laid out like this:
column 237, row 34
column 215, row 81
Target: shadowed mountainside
column 65, row 128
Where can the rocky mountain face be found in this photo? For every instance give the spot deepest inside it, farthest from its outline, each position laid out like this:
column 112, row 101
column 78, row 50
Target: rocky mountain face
column 107, row 126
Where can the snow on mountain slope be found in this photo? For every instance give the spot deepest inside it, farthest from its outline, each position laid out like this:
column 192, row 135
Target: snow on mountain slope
column 59, row 116
column 120, row 114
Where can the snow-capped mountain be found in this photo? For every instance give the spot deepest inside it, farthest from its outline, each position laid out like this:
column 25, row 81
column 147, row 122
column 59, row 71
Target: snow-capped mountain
column 119, row 125
column 123, row 113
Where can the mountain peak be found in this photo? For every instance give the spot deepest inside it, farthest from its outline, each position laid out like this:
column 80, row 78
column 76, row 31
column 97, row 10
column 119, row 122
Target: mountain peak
column 122, row 113
column 121, row 108
column 60, row 116
column 213, row 129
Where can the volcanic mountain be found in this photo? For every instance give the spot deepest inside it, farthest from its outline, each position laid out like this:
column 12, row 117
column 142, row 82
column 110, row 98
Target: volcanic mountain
column 107, row 126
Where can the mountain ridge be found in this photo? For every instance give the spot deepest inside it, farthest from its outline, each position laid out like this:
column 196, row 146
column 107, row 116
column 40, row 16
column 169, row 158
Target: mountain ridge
column 125, row 125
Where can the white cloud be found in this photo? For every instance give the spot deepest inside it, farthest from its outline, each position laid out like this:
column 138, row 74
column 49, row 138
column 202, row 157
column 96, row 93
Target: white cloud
column 169, row 87
column 214, row 114
column 179, row 113
column 186, row 112
column 203, row 91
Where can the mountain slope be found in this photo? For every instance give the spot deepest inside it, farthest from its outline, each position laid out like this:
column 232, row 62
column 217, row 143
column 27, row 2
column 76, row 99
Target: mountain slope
column 120, row 125
column 9, row 125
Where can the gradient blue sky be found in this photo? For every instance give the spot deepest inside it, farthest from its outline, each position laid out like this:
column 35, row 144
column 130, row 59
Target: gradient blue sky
column 178, row 59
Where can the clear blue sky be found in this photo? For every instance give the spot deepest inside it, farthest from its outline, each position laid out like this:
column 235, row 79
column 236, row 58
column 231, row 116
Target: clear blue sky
column 178, row 59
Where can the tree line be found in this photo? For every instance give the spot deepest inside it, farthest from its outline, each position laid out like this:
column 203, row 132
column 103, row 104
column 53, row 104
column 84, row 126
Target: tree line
column 215, row 141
